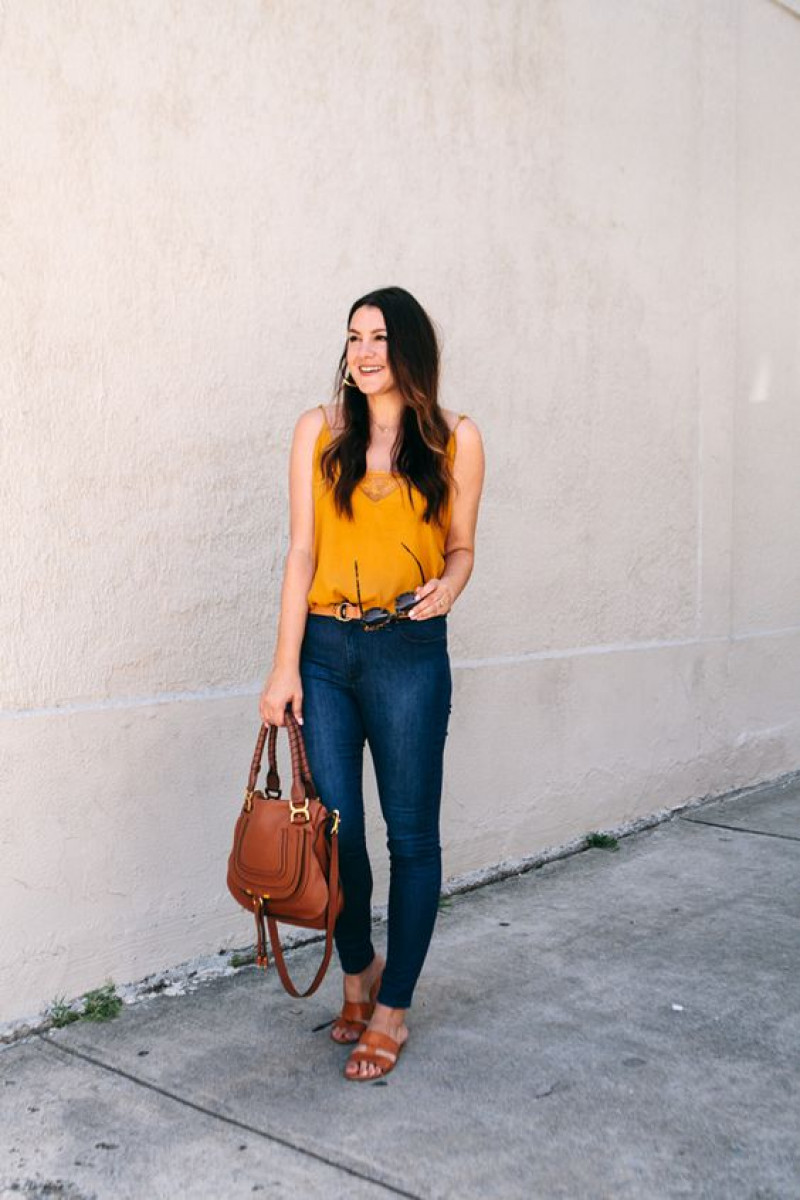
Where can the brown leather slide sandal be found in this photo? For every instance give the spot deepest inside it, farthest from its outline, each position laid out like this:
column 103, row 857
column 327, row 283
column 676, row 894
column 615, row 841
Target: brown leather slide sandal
column 369, row 1050
column 355, row 1015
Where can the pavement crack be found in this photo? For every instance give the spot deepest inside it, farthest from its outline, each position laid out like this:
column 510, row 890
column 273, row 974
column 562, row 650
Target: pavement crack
column 337, row 1164
column 786, row 837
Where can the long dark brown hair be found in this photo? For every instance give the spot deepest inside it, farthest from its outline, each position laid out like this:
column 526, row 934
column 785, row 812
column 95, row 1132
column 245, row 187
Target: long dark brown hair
column 420, row 452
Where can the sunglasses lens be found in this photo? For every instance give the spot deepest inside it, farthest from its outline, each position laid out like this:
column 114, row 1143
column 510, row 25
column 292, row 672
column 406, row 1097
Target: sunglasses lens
column 376, row 618
column 405, row 602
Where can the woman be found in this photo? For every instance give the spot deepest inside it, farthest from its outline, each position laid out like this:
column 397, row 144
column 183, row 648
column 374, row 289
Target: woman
column 384, row 498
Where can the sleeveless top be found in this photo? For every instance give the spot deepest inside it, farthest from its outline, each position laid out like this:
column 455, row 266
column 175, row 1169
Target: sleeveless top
column 383, row 519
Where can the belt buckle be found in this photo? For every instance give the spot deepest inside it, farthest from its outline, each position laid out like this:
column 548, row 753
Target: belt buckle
column 339, row 611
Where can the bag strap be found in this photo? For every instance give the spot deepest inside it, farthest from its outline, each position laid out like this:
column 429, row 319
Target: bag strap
column 333, row 906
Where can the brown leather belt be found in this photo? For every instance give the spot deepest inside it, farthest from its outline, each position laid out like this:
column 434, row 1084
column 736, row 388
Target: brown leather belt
column 343, row 611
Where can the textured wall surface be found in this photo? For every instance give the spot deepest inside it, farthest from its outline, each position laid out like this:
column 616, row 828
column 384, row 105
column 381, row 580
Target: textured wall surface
column 597, row 203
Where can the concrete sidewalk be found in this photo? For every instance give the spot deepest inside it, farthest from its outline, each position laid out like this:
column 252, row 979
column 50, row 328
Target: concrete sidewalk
column 617, row 1024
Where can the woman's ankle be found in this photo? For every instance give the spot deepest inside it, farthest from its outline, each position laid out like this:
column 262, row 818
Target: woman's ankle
column 389, row 1018
column 363, row 981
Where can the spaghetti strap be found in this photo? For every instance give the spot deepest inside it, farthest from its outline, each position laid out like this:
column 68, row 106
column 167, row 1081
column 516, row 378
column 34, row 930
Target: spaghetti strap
column 455, row 427
column 324, row 434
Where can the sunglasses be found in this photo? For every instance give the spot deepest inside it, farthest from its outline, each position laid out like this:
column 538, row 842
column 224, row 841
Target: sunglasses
column 377, row 618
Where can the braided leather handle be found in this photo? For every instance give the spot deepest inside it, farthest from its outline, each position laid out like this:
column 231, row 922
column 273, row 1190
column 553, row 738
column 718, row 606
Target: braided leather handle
column 302, row 780
column 299, row 756
column 273, row 779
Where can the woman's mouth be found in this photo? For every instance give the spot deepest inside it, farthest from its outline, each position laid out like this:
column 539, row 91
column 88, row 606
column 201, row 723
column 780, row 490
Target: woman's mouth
column 370, row 370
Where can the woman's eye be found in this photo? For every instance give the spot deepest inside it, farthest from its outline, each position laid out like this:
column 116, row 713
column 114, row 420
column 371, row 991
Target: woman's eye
column 352, row 337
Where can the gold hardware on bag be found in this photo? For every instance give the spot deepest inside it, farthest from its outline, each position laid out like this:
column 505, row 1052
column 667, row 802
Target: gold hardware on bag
column 248, row 800
column 336, row 821
column 299, row 810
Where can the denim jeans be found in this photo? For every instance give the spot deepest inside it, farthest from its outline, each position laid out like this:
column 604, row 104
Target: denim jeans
column 390, row 687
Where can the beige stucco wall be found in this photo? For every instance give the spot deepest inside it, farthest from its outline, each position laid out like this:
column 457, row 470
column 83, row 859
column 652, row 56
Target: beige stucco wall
column 599, row 205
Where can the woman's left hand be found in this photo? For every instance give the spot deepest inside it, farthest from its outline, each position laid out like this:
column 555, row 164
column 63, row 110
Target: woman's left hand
column 435, row 599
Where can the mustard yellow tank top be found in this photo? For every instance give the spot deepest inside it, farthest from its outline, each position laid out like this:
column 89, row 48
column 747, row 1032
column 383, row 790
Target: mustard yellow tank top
column 383, row 519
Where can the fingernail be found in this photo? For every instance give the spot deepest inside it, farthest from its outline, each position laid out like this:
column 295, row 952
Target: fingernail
column 299, row 720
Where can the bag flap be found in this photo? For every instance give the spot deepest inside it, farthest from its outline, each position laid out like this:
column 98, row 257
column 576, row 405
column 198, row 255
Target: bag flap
column 268, row 851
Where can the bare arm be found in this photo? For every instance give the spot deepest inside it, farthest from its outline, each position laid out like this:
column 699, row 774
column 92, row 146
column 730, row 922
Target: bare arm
column 283, row 684
column 469, row 470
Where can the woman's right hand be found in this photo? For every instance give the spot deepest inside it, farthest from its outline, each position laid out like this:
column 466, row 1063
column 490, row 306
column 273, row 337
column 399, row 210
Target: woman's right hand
column 283, row 687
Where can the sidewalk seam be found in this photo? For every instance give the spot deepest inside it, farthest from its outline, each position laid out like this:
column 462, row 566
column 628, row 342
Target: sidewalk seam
column 232, row 1121
column 786, row 837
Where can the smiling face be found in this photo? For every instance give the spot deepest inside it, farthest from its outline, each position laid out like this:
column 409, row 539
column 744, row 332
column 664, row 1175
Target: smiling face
column 367, row 357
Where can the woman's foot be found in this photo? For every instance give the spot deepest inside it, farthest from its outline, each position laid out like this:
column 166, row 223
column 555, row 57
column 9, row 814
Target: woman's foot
column 370, row 1061
column 359, row 1002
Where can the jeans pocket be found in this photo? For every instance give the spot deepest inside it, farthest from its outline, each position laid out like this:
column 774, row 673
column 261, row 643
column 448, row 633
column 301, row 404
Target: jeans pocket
column 432, row 629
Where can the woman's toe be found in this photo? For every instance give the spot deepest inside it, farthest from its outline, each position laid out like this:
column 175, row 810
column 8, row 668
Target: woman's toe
column 345, row 1036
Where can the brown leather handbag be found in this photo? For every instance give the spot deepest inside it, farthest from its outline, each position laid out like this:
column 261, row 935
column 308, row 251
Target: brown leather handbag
column 284, row 864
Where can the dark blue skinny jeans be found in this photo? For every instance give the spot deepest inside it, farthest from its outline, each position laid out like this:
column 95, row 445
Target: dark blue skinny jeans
column 391, row 687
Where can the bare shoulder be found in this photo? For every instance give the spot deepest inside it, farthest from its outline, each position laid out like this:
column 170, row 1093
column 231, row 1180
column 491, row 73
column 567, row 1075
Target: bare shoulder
column 310, row 421
column 307, row 428
column 309, row 425
column 467, row 432
column 469, row 462
column 454, row 418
